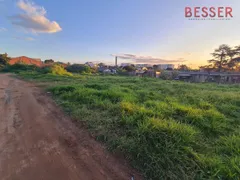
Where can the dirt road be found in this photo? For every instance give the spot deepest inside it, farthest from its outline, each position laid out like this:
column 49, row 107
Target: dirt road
column 37, row 141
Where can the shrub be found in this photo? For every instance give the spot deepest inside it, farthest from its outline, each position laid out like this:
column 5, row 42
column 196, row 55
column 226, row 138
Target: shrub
column 20, row 67
column 57, row 69
column 78, row 68
column 168, row 75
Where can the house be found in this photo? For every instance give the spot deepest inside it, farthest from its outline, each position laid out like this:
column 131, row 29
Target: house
column 26, row 60
column 145, row 73
column 219, row 77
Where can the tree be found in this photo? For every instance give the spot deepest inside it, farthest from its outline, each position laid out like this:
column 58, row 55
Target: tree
column 232, row 63
column 224, row 58
column 49, row 61
column 101, row 65
column 129, row 68
column 4, row 59
column 237, row 59
column 220, row 56
column 183, row 67
column 237, row 49
column 236, row 63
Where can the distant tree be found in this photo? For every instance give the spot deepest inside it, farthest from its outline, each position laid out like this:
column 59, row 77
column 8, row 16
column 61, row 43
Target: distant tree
column 237, row 59
column 49, row 61
column 236, row 64
column 220, row 57
column 4, row 59
column 101, row 64
column 222, row 52
column 234, row 61
column 78, row 68
column 231, row 65
column 223, row 58
column 129, row 68
column 183, row 67
column 237, row 49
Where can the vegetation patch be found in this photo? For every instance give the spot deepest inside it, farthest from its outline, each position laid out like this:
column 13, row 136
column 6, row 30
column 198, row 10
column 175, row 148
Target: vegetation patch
column 166, row 129
column 57, row 69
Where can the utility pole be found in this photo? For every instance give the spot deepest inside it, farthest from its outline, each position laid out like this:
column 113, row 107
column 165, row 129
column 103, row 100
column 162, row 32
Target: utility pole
column 116, row 61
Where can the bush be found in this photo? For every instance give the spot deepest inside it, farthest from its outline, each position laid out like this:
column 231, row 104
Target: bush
column 20, row 67
column 44, row 70
column 78, row 68
column 129, row 68
column 168, row 75
column 57, row 69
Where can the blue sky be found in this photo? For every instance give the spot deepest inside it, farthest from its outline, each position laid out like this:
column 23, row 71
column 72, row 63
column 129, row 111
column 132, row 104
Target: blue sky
column 77, row 31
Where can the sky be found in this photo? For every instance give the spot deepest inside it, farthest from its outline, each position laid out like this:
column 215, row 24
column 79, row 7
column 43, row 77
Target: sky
column 138, row 31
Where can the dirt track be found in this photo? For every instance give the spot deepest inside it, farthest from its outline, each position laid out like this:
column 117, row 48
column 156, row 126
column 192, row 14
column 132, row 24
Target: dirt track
column 37, row 141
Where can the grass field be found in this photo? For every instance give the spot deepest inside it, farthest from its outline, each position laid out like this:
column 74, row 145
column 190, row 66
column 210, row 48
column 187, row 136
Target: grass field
column 166, row 129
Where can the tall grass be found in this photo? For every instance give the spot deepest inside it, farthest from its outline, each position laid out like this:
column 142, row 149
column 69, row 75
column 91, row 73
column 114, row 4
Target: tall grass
column 167, row 129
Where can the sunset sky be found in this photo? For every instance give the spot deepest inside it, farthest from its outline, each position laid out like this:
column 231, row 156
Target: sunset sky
column 140, row 31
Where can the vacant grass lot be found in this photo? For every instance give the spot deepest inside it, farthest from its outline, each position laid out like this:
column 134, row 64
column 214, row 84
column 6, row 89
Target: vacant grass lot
column 167, row 129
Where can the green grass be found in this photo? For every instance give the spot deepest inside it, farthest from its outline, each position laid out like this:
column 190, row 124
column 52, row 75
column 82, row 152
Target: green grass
column 166, row 129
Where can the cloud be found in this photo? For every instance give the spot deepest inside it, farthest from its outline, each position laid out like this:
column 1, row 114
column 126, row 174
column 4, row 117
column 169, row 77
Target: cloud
column 24, row 38
column 146, row 59
column 34, row 18
column 2, row 29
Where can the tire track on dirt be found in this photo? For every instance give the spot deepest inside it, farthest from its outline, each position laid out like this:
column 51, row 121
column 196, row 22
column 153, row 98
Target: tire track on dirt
column 37, row 141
